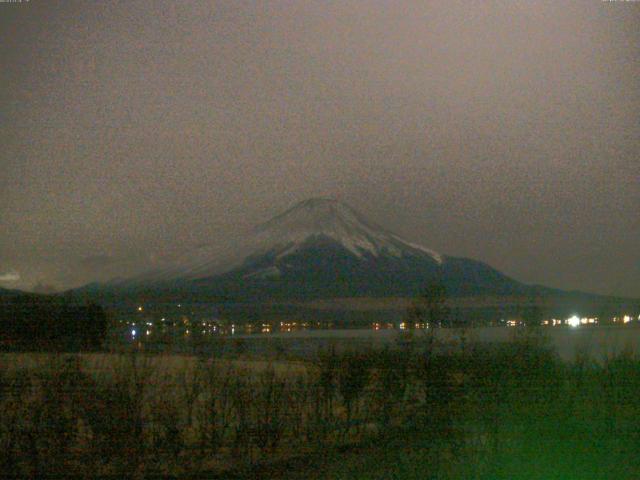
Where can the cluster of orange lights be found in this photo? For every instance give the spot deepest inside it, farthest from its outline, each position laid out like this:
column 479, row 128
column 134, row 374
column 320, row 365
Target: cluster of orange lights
column 382, row 326
column 417, row 325
column 293, row 326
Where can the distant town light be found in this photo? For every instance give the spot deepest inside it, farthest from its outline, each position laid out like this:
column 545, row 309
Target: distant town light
column 574, row 321
column 133, row 332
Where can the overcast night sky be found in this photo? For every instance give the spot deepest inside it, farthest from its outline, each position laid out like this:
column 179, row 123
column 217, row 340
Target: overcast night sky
column 506, row 131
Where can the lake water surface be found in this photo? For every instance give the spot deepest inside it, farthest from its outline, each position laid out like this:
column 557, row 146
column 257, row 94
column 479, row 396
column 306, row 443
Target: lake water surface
column 597, row 342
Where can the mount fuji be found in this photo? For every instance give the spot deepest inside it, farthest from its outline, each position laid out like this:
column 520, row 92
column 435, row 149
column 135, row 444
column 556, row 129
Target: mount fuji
column 323, row 260
column 322, row 248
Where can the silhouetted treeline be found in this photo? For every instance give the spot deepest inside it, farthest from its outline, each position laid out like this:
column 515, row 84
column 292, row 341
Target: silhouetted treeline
column 42, row 322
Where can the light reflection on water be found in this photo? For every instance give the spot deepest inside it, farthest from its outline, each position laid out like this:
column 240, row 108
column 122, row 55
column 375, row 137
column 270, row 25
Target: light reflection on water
column 596, row 342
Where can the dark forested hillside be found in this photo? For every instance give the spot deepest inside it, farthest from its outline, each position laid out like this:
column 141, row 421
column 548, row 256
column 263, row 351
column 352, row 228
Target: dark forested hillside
column 29, row 321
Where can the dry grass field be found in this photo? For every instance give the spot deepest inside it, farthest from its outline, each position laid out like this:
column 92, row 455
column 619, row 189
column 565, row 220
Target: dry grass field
column 511, row 409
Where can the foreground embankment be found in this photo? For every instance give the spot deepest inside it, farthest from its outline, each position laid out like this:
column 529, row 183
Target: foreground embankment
column 480, row 410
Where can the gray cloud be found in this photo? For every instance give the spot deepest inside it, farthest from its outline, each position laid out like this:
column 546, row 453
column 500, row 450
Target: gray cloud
column 96, row 262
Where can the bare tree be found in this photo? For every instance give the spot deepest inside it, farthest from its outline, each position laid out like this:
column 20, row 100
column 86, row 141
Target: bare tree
column 430, row 308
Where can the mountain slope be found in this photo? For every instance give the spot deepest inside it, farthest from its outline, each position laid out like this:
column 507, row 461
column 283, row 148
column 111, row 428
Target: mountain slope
column 308, row 222
column 323, row 248
column 322, row 252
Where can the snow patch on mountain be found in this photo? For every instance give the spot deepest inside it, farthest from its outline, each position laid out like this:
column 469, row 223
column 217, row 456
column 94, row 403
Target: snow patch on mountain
column 436, row 256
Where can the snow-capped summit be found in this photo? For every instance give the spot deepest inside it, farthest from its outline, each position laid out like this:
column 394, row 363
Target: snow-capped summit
column 308, row 223
column 327, row 218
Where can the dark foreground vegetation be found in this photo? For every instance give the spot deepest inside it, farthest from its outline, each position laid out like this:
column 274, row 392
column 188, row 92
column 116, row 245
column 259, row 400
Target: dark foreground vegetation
column 507, row 411
column 50, row 322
